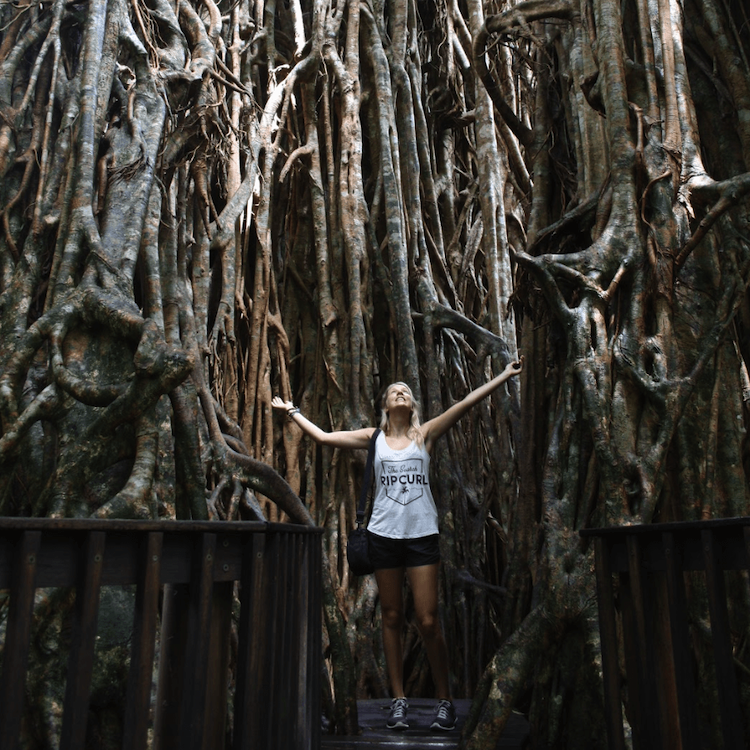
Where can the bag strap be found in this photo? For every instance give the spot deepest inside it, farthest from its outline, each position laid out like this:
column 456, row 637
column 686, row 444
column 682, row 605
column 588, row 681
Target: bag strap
column 366, row 480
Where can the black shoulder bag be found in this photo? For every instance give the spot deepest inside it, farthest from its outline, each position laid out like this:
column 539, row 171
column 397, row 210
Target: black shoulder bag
column 357, row 548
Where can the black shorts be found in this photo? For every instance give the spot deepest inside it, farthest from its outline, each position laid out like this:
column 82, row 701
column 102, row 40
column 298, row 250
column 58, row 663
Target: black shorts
column 403, row 553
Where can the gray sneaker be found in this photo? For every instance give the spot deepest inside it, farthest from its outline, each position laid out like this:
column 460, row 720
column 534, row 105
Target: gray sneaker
column 445, row 716
column 397, row 719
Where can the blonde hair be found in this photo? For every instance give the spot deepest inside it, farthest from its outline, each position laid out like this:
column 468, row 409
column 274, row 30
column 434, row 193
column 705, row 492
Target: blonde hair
column 385, row 423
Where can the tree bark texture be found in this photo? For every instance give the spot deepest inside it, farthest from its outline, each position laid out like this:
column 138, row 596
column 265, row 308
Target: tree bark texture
column 203, row 204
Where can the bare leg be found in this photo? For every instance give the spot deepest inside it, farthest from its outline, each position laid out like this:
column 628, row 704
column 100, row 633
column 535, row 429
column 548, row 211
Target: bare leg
column 391, row 591
column 424, row 585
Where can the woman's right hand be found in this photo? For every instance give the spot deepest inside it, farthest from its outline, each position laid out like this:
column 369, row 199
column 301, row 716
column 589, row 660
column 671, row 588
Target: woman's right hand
column 278, row 403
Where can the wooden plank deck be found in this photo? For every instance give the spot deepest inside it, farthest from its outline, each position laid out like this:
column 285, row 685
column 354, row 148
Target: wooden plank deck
column 375, row 735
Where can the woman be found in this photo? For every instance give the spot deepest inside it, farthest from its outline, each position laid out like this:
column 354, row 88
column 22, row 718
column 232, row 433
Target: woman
column 403, row 527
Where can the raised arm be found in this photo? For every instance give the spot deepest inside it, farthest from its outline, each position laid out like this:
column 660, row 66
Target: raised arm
column 337, row 439
column 439, row 425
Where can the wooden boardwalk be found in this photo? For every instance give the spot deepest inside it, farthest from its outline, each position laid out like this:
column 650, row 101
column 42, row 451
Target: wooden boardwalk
column 375, row 735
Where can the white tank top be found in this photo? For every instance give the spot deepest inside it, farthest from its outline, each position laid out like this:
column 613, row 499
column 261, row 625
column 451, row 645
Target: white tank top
column 403, row 507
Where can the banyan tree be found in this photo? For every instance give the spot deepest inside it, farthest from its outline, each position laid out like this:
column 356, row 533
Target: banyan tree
column 204, row 204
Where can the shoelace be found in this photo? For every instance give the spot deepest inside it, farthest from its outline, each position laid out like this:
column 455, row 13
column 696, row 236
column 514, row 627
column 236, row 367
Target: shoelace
column 442, row 709
column 399, row 707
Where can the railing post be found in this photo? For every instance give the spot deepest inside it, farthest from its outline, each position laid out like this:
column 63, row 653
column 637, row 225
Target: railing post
column 680, row 637
column 726, row 679
column 144, row 639
column 218, row 666
column 18, row 633
column 636, row 624
column 172, row 639
column 255, row 663
column 192, row 717
column 608, row 635
column 81, row 661
column 314, row 614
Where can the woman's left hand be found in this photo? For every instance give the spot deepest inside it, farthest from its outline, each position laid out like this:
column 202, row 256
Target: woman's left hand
column 514, row 368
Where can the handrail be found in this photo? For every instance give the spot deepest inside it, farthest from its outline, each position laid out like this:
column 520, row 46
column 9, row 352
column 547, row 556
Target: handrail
column 185, row 575
column 654, row 583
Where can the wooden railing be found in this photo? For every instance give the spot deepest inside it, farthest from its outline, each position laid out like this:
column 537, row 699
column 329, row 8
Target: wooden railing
column 650, row 582
column 187, row 576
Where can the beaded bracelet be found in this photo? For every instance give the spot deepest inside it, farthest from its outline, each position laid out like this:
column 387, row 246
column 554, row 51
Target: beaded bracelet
column 291, row 412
